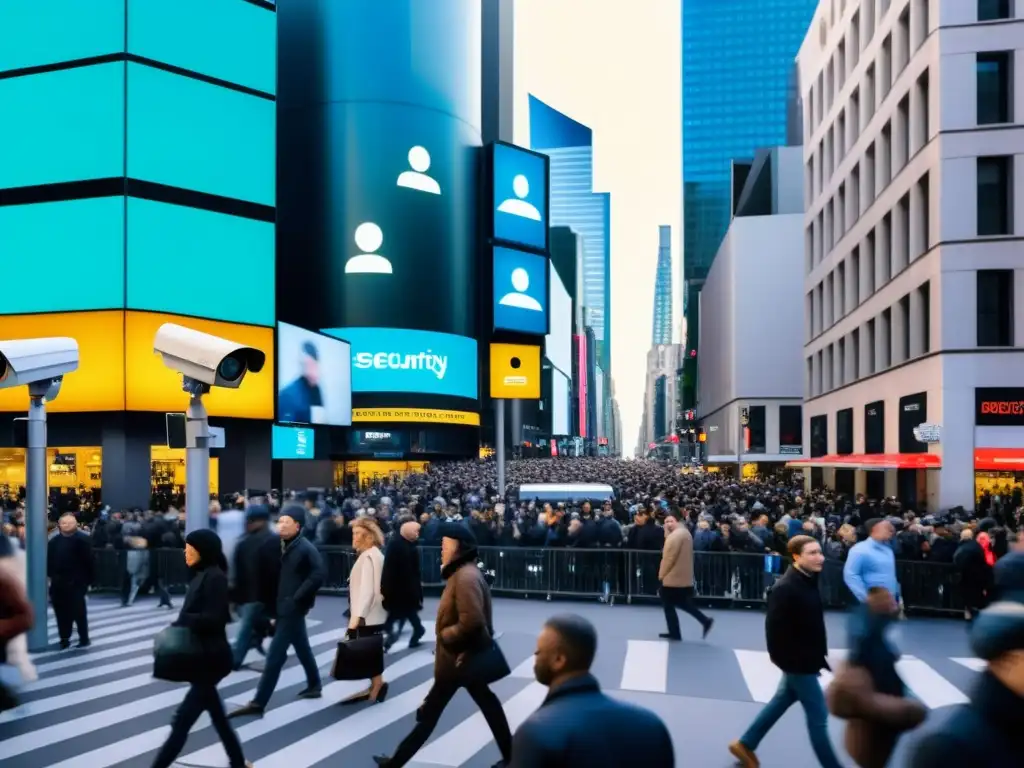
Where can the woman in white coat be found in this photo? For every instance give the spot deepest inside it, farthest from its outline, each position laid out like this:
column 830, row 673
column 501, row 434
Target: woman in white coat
column 366, row 603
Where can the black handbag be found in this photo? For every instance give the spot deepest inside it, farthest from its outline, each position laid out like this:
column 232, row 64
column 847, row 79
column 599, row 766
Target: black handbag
column 486, row 666
column 177, row 655
column 359, row 657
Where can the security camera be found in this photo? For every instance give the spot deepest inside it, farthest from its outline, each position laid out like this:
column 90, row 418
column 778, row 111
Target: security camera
column 204, row 360
column 32, row 361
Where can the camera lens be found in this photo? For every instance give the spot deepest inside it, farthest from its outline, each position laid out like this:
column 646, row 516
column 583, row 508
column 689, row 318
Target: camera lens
column 515, row 362
column 230, row 368
column 5, row 368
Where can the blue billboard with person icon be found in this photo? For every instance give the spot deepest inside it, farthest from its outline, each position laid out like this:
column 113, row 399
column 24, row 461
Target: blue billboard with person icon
column 520, row 184
column 520, row 291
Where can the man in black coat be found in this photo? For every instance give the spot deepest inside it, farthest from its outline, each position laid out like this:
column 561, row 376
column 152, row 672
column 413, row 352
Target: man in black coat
column 69, row 567
column 578, row 726
column 256, row 568
column 400, row 584
column 798, row 645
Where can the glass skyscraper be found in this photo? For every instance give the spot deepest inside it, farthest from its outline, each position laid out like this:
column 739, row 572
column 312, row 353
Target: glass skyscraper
column 737, row 60
column 574, row 204
column 661, row 332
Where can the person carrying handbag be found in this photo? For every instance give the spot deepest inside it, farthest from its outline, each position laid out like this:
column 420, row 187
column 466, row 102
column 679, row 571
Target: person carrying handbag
column 367, row 618
column 195, row 649
column 467, row 655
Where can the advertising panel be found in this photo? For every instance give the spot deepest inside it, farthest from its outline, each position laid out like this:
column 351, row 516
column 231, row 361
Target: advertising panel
column 378, row 442
column 228, row 250
column 999, row 406
column 98, row 384
column 34, row 34
column 416, row 415
column 520, row 291
column 520, row 202
column 293, row 443
column 227, row 39
column 166, row 112
column 560, row 395
column 151, row 386
column 61, row 126
column 314, row 377
column 79, row 242
column 913, row 413
column 400, row 360
column 558, row 343
column 515, row 371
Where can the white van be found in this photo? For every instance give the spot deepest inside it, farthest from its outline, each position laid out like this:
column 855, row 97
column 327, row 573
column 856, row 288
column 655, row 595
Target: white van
column 555, row 493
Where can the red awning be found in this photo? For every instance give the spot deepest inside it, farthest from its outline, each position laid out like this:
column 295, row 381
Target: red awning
column 999, row 459
column 872, row 461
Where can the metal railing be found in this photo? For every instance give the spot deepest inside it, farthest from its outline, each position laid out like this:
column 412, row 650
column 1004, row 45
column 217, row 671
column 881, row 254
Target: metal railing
column 616, row 575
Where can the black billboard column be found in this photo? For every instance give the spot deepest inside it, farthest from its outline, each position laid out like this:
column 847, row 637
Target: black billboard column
column 874, row 442
column 911, row 484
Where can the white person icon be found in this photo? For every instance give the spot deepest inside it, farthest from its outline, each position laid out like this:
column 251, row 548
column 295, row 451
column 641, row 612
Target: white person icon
column 518, row 206
column 369, row 238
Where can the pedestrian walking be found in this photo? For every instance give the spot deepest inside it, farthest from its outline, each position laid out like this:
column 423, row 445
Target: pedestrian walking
column 401, row 584
column 301, row 575
column 578, row 726
column 798, row 645
column 256, row 573
column 205, row 614
column 16, row 618
column 872, row 562
column 367, row 615
column 466, row 655
column 676, row 576
column 69, row 566
column 13, row 562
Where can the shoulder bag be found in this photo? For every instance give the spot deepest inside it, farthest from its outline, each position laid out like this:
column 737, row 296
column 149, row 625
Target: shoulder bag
column 486, row 665
column 359, row 658
column 177, row 654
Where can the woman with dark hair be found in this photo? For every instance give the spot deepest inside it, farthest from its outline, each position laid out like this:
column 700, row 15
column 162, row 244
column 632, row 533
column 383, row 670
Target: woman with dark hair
column 205, row 614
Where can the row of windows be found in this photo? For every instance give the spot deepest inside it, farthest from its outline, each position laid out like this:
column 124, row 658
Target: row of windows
column 899, row 333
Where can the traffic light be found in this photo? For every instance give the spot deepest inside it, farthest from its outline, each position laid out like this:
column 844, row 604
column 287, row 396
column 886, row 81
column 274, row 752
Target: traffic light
column 693, row 353
column 702, row 436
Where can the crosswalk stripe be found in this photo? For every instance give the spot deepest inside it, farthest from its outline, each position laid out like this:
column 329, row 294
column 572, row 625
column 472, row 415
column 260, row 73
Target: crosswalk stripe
column 646, row 666
column 279, row 717
column 121, row 626
column 977, row 665
column 929, row 686
column 524, row 671
column 47, row 666
column 763, row 677
column 74, row 698
column 331, row 740
column 460, row 744
column 99, row 618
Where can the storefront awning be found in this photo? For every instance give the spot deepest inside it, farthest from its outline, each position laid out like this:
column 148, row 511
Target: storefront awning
column 872, row 461
column 999, row 459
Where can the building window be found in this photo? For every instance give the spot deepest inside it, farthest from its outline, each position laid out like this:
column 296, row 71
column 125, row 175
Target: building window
column 992, row 10
column 925, row 294
column 993, row 74
column 819, row 436
column 994, row 204
column 755, row 433
column 844, row 431
column 995, row 308
column 869, row 358
column 791, row 428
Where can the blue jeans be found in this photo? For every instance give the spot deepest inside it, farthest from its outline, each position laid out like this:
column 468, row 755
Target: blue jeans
column 807, row 690
column 249, row 615
column 291, row 631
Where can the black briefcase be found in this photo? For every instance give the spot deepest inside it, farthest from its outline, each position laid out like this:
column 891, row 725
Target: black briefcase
column 359, row 658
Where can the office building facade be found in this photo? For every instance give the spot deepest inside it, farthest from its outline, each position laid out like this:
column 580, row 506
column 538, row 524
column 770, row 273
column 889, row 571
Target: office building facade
column 737, row 58
column 914, row 155
column 661, row 330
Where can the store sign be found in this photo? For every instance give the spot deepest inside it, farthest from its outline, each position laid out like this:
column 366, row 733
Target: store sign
column 999, row 406
column 380, row 443
column 928, row 433
column 515, row 371
column 791, row 450
column 418, row 415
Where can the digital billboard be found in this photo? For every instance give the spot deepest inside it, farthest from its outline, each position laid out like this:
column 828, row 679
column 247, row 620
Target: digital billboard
column 77, row 245
column 314, row 377
column 62, row 126
column 515, row 371
column 167, row 115
column 152, row 386
column 520, row 204
column 416, row 415
column 292, row 443
column 98, row 384
column 401, row 360
column 558, row 343
column 34, row 33
column 230, row 40
column 520, row 291
column 227, row 251
column 560, row 404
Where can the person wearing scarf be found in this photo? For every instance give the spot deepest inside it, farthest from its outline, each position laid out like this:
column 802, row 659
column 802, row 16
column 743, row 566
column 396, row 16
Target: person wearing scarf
column 206, row 614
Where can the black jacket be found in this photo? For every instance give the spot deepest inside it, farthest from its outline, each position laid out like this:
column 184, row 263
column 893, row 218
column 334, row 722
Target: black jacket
column 795, row 624
column 302, row 574
column 69, row 561
column 400, row 577
column 205, row 612
column 577, row 726
column 257, row 568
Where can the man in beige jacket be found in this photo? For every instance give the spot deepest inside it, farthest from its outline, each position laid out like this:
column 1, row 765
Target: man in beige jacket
column 676, row 577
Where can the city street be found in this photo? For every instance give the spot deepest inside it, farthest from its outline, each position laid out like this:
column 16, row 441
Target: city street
column 101, row 708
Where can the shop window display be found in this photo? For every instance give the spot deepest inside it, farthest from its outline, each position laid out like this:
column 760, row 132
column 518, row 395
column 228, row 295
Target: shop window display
column 365, row 473
column 1003, row 484
column 74, row 476
column 167, row 471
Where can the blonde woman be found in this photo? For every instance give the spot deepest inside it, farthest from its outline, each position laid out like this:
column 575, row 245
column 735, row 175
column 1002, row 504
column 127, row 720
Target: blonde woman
column 366, row 603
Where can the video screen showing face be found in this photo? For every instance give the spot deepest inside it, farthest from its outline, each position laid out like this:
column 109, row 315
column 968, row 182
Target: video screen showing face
column 314, row 378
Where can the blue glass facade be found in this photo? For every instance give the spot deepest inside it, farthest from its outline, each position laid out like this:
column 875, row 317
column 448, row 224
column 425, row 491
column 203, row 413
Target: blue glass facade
column 661, row 332
column 574, row 204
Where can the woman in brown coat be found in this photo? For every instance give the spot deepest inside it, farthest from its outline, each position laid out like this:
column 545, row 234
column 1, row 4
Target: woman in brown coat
column 465, row 637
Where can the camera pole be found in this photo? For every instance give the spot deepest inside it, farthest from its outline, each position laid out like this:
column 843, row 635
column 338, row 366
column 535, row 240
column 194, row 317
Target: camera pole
column 197, row 464
column 37, row 513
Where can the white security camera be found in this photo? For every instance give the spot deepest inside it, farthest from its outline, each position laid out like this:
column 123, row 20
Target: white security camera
column 31, row 361
column 204, row 360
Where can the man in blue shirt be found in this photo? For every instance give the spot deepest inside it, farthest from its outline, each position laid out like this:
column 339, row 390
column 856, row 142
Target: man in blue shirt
column 872, row 562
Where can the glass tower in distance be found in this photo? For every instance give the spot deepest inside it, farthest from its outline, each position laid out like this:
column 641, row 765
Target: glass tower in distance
column 661, row 332
column 737, row 60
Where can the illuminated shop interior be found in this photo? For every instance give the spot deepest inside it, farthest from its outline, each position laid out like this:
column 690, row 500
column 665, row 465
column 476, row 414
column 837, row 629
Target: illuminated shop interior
column 167, row 470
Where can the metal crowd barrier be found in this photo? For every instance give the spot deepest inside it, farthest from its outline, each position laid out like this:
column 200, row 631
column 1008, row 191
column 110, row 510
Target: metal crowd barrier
column 614, row 575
